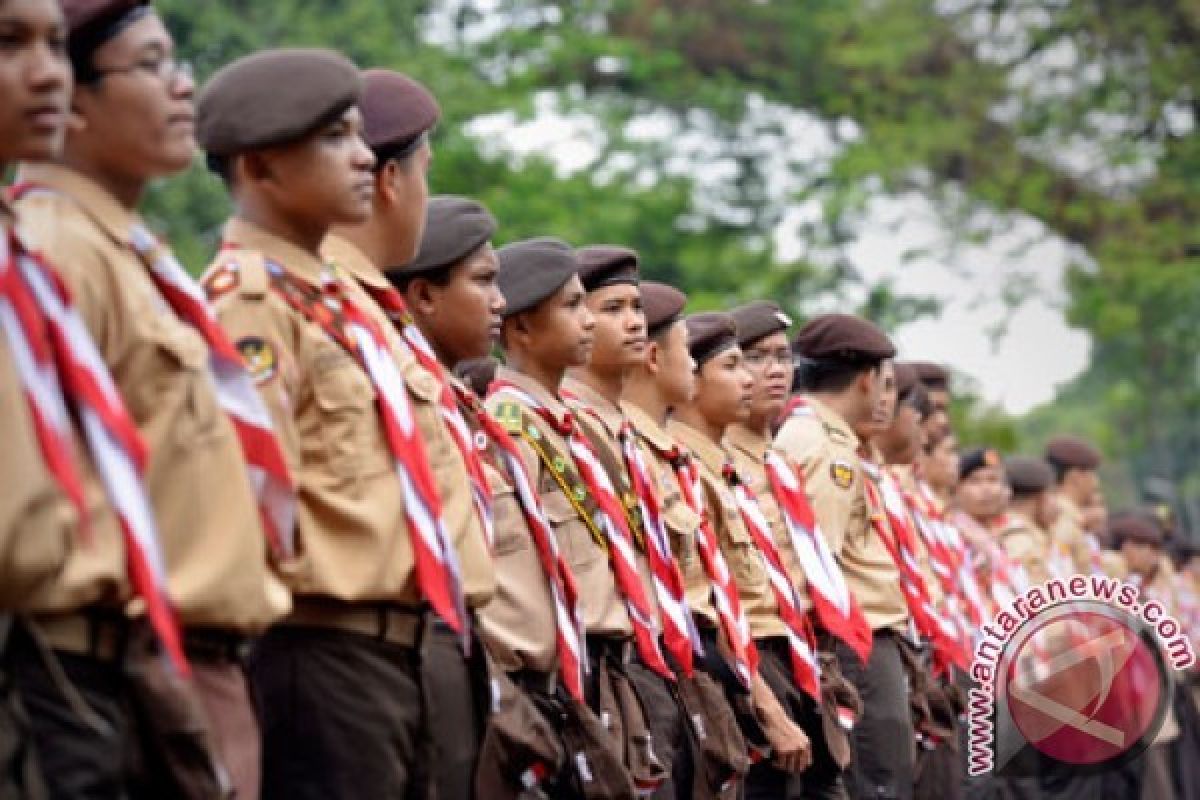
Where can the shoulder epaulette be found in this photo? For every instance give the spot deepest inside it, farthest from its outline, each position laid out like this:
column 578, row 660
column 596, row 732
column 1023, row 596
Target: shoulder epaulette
column 244, row 270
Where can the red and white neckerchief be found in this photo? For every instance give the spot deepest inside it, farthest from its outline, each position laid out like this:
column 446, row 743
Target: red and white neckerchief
column 569, row 624
column 59, row 368
column 241, row 402
column 889, row 518
column 806, row 671
column 835, row 607
column 397, row 311
column 679, row 627
column 331, row 308
column 973, row 604
column 725, row 593
column 612, row 522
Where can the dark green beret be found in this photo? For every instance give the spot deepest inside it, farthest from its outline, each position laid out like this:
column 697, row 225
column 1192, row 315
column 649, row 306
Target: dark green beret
column 710, row 333
column 977, row 459
column 842, row 337
column 662, row 305
column 455, row 227
column 274, row 97
column 532, row 270
column 1137, row 526
column 396, row 110
column 603, row 265
column 757, row 320
column 1028, row 475
column 1072, row 452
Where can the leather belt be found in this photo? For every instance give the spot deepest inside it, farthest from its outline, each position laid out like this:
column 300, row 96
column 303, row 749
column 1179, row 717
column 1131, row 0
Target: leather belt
column 97, row 634
column 386, row 623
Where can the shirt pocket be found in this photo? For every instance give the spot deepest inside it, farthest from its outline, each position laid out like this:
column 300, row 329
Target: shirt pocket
column 182, row 387
column 682, row 524
column 352, row 443
column 745, row 560
column 574, row 536
column 512, row 532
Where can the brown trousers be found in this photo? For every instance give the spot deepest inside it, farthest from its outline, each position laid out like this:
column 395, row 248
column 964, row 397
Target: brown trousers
column 224, row 692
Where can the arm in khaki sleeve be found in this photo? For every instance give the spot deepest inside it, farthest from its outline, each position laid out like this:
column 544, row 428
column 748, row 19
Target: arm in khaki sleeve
column 831, row 503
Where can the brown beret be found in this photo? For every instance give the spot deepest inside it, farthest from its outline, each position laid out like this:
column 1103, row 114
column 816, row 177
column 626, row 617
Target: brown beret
column 273, row 97
column 1072, row 452
column 477, row 373
column 532, row 270
column 396, row 110
column 934, row 376
column 757, row 320
column 977, row 459
column 1135, row 525
column 91, row 23
column 662, row 304
column 455, row 227
column 603, row 265
column 1028, row 475
column 710, row 333
column 842, row 337
column 906, row 378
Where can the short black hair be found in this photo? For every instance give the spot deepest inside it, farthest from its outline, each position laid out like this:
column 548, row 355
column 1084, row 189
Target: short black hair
column 438, row 277
column 400, row 151
column 917, row 397
column 817, row 375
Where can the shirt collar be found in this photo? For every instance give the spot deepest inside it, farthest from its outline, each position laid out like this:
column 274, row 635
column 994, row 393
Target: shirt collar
column 752, row 443
column 346, row 257
column 648, row 428
column 711, row 455
column 833, row 421
column 301, row 263
column 551, row 402
column 610, row 415
column 93, row 199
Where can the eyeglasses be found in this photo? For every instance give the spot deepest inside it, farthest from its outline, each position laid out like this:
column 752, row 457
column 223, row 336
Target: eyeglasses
column 167, row 70
column 763, row 358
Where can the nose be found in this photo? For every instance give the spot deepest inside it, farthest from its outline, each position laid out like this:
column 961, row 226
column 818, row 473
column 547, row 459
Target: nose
column 49, row 70
column 589, row 320
column 364, row 159
column 498, row 303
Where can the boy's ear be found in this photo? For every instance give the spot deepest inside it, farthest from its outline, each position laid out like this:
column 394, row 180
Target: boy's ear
column 652, row 355
column 385, row 186
column 419, row 296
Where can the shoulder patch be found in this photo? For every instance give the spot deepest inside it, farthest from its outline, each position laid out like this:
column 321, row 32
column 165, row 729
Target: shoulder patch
column 508, row 414
column 260, row 356
column 842, row 473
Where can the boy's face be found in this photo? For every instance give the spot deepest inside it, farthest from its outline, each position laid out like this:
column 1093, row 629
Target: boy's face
column 463, row 317
column 676, row 377
column 984, row 493
column 620, row 338
column 903, row 439
column 136, row 120
column 724, row 388
column 35, row 80
column 406, row 186
column 769, row 361
column 323, row 179
column 559, row 333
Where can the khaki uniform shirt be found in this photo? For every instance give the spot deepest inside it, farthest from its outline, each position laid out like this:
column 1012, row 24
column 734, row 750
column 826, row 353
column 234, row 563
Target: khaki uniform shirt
column 602, row 608
column 680, row 520
column 825, row 446
column 1028, row 545
column 207, row 514
column 742, row 554
column 602, row 421
column 1068, row 535
column 749, row 451
column 518, row 623
column 449, row 468
column 352, row 543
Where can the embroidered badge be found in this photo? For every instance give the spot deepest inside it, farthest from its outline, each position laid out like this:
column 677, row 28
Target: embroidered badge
column 222, row 281
column 842, row 474
column 260, row 357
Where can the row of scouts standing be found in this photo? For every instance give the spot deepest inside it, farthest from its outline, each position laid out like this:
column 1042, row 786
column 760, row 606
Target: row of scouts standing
column 289, row 532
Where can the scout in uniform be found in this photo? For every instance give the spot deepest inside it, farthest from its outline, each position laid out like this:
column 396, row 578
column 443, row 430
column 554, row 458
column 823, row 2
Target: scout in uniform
column 762, row 336
column 181, row 379
column 841, row 372
column 529, row 625
column 1031, row 514
column 548, row 328
column 936, row 380
column 382, row 486
column 397, row 115
column 610, row 277
column 664, row 381
column 1075, row 462
column 722, row 397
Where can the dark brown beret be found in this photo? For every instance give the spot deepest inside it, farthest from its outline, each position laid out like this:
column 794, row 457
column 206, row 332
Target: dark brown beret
column 532, row 270
column 1135, row 525
column 396, row 110
column 455, row 227
column 977, row 459
column 757, row 320
column 710, row 333
column 603, row 265
column 1028, row 475
column 842, row 337
column 477, row 373
column 906, row 378
column 934, row 376
column 662, row 304
column 273, row 97
column 1072, row 452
